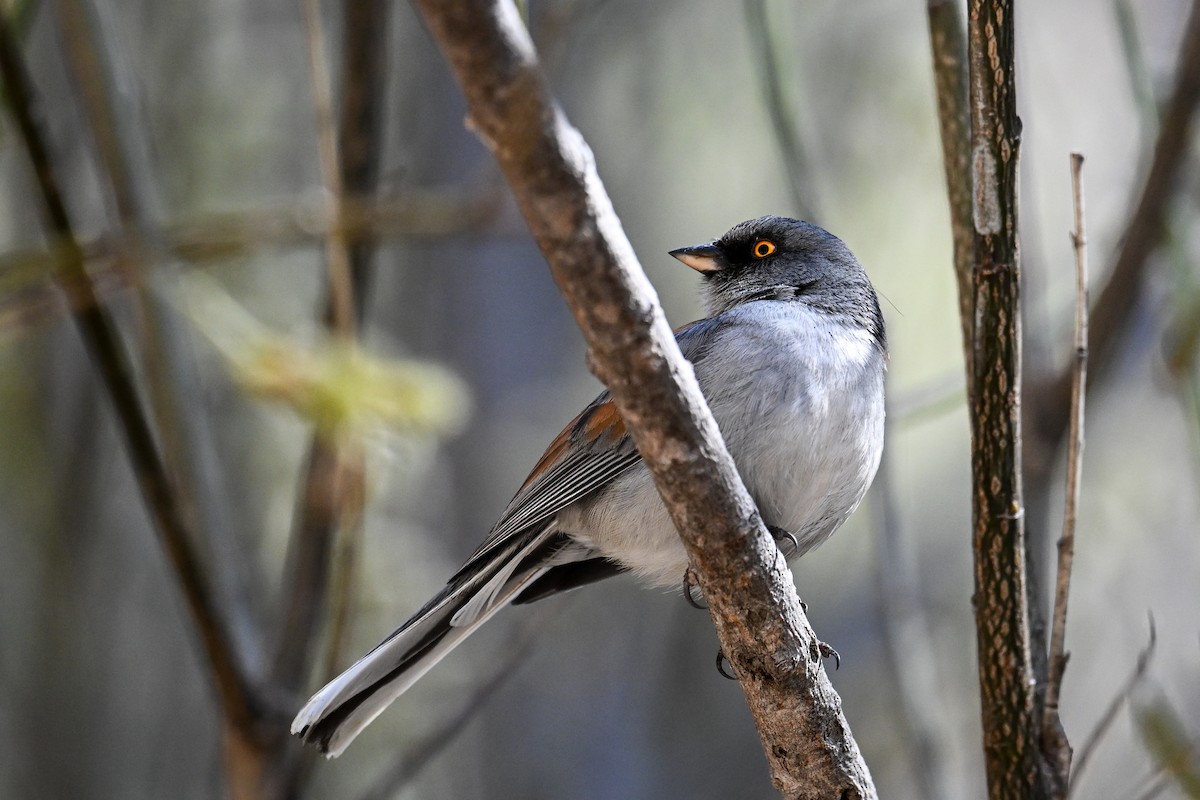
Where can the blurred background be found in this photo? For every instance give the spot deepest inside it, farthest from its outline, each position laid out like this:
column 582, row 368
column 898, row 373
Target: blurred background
column 104, row 691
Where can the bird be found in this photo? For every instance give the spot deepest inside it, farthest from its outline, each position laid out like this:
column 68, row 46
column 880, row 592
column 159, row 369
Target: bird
column 791, row 360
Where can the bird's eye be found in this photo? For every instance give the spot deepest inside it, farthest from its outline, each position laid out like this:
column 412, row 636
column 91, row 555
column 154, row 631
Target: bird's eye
column 763, row 248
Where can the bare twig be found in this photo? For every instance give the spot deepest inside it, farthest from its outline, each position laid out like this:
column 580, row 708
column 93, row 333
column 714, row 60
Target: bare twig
column 110, row 97
column 365, row 25
column 241, row 707
column 332, row 489
column 1110, row 713
column 752, row 598
column 337, row 253
column 1054, row 742
column 26, row 301
column 765, row 50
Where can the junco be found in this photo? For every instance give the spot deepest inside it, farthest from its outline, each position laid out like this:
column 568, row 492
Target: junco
column 791, row 361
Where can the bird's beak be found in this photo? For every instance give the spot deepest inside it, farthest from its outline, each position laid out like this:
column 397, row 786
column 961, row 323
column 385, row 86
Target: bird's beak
column 701, row 257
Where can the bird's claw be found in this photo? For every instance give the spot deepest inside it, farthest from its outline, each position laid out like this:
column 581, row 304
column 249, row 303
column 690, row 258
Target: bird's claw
column 829, row 652
column 721, row 662
column 780, row 536
column 689, row 583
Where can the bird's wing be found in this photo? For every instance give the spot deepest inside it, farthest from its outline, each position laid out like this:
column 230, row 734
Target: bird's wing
column 592, row 450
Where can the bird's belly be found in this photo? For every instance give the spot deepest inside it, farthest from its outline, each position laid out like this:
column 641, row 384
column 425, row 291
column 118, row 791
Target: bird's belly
column 628, row 523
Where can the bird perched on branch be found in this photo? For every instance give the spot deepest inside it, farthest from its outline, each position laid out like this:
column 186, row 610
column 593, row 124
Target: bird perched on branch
column 791, row 361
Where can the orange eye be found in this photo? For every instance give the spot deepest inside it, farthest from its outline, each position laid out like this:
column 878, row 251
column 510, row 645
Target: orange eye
column 763, row 248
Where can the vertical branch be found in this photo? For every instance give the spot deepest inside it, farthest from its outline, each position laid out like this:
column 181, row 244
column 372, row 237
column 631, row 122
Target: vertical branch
column 337, row 253
column 949, row 49
column 365, row 25
column 320, row 565
column 1054, row 742
column 102, row 339
column 1007, row 693
column 110, row 98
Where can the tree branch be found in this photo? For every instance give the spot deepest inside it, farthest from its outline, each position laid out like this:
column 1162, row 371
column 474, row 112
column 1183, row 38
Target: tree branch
column 752, row 598
column 1054, row 742
column 26, row 301
column 1011, row 729
column 331, row 492
column 241, row 707
column 323, row 550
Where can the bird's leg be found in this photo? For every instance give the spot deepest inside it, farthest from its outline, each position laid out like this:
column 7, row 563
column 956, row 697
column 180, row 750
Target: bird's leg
column 780, row 536
column 689, row 583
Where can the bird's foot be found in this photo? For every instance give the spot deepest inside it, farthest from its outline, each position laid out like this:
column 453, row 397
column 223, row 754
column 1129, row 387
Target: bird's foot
column 828, row 652
column 782, row 536
column 689, row 584
column 723, row 662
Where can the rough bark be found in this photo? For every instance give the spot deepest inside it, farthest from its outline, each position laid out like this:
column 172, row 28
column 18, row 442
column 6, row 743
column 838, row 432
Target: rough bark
column 749, row 587
column 1011, row 719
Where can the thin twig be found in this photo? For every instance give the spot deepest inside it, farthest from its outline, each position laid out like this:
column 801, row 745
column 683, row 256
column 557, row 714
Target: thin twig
column 365, row 27
column 1110, row 713
column 417, row 757
column 110, row 97
column 26, row 301
column 337, row 255
column 360, row 137
column 1054, row 741
column 100, row 335
column 332, row 484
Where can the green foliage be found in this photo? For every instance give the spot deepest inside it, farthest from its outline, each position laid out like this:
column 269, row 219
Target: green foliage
column 333, row 384
column 1170, row 746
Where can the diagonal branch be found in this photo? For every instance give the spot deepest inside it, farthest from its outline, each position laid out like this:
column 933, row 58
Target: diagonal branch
column 102, row 339
column 552, row 174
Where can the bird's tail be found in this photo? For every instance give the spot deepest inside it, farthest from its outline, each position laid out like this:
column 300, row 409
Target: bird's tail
column 339, row 712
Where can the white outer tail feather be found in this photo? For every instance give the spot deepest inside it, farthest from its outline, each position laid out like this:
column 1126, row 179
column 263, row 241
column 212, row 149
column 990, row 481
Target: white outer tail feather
column 495, row 593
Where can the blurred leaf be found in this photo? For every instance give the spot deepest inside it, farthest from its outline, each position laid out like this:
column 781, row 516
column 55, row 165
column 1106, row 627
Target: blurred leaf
column 1170, row 746
column 335, row 385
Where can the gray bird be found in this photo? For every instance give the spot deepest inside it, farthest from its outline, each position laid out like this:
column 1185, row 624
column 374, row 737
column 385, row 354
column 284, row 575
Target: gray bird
column 791, row 360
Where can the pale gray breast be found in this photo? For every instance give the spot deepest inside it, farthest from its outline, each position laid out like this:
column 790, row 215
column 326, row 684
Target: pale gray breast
column 799, row 398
